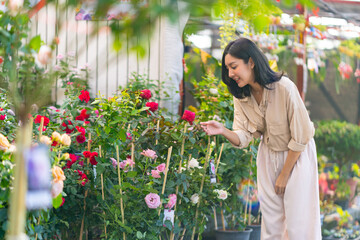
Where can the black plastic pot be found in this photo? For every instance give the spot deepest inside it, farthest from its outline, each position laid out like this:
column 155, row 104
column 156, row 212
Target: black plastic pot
column 256, row 232
column 233, row 234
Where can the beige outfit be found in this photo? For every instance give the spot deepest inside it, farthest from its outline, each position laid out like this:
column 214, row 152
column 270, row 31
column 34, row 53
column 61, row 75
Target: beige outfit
column 282, row 121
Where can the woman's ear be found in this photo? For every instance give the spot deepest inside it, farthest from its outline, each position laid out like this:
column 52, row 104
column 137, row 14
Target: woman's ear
column 251, row 62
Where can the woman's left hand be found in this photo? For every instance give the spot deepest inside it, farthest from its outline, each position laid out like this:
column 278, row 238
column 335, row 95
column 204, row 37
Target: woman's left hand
column 281, row 183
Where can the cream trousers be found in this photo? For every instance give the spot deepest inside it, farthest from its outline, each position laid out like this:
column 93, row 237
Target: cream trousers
column 296, row 214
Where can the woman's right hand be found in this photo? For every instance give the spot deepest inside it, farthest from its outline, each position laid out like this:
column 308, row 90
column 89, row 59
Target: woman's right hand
column 212, row 127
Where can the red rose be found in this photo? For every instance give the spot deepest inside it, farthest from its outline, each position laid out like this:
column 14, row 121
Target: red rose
column 80, row 138
column 38, row 120
column 93, row 160
column 2, row 117
column 153, row 106
column 188, row 116
column 87, row 154
column 73, row 157
column 145, row 94
column 94, row 154
column 81, row 130
column 65, row 126
column 83, row 113
column 54, row 143
column 80, row 118
column 84, row 96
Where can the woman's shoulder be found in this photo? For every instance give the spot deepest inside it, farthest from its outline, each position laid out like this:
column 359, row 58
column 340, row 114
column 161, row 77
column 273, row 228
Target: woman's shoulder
column 284, row 84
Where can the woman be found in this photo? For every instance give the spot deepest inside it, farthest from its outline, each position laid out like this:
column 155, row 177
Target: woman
column 268, row 105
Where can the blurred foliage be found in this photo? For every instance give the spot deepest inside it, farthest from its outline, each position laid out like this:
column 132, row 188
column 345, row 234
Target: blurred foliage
column 340, row 142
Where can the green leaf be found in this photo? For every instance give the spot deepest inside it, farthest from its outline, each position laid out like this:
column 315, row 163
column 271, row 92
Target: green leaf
column 57, row 201
column 139, row 235
column 35, row 43
column 131, row 174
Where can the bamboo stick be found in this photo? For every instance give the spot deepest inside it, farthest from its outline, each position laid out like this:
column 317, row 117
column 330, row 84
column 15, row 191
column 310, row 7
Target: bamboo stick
column 215, row 218
column 248, row 192
column 103, row 194
column 121, row 200
column 172, row 235
column 165, row 173
column 201, row 188
column 157, row 130
column 218, row 160
column 86, row 193
column 250, row 206
column 41, row 127
column 132, row 153
column 222, row 217
column 183, row 234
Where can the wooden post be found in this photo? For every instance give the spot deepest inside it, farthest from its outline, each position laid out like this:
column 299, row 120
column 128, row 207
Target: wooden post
column 132, row 153
column 121, row 200
column 157, row 130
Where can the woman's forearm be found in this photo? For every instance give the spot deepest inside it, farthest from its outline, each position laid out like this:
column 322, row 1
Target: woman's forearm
column 231, row 136
column 290, row 162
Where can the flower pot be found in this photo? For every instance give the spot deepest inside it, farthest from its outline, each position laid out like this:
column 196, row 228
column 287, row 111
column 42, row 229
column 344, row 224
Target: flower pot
column 233, row 234
column 256, row 232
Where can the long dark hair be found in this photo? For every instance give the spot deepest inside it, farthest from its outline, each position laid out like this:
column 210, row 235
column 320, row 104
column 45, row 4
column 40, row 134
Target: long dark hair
column 244, row 48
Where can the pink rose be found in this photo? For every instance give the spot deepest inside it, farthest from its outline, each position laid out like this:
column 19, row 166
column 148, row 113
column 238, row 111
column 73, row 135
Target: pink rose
column 172, row 201
column 149, row 153
column 114, row 162
column 161, row 167
column 145, row 94
column 152, row 200
column 155, row 174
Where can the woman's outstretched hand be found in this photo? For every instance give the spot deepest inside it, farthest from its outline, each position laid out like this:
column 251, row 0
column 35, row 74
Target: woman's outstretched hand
column 212, row 127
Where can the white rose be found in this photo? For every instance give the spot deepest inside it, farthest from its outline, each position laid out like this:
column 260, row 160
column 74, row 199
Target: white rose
column 56, row 188
column 44, row 54
column 45, row 140
column 65, row 140
column 216, row 118
column 222, row 194
column 195, row 198
column 193, row 163
column 56, row 136
column 213, row 91
column 15, row 5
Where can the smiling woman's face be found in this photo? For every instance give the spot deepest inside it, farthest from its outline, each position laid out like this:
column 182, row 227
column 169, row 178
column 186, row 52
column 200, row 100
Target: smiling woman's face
column 239, row 71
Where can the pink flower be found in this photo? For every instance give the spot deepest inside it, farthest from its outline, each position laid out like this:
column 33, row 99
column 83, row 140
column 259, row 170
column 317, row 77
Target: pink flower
column 149, row 153
column 152, row 200
column 161, row 167
column 113, row 162
column 145, row 94
column 128, row 136
column 155, row 174
column 188, row 116
column 172, row 201
column 122, row 164
column 2, row 117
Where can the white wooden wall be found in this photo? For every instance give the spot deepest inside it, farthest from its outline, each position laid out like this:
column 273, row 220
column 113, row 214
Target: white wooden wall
column 109, row 69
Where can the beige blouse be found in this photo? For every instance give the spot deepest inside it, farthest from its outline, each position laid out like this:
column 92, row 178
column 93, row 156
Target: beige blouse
column 281, row 118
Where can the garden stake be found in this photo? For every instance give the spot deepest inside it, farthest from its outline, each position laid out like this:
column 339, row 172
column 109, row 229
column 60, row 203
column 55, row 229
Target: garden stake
column 102, row 193
column 41, row 127
column 121, row 200
column 165, row 173
column 222, row 214
column 86, row 193
column 187, row 167
column 248, row 192
column 172, row 235
column 157, row 130
column 183, row 234
column 249, row 221
column 201, row 187
column 132, row 153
